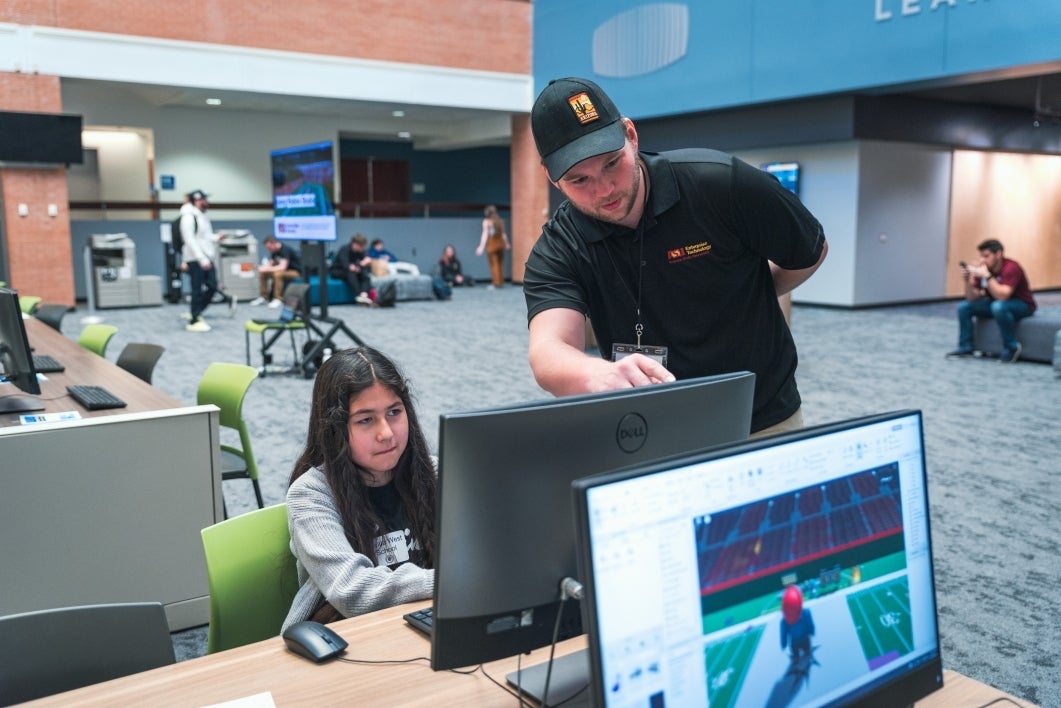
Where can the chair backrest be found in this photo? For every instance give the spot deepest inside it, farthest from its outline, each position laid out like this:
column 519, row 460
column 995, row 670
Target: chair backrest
column 295, row 298
column 95, row 337
column 27, row 303
column 50, row 651
column 139, row 359
column 51, row 314
column 252, row 577
column 225, row 385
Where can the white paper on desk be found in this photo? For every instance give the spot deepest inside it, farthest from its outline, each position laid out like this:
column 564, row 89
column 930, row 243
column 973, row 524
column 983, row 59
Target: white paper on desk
column 258, row 700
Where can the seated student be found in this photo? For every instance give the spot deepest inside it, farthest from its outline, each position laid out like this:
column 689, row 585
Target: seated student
column 281, row 266
column 354, row 266
column 361, row 505
column 377, row 252
column 449, row 268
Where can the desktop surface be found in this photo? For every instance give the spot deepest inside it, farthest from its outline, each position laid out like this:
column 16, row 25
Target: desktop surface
column 82, row 366
column 267, row 667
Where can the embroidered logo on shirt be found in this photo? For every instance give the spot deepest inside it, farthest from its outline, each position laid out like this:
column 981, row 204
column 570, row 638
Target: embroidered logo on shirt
column 696, row 250
column 583, row 107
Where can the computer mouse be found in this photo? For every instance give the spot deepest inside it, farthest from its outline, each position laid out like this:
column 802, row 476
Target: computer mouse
column 313, row 640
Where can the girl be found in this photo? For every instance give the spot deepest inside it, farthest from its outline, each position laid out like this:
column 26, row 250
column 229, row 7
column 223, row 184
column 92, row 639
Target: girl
column 361, row 505
column 494, row 242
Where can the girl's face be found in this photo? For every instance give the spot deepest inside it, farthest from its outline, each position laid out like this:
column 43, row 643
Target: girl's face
column 378, row 431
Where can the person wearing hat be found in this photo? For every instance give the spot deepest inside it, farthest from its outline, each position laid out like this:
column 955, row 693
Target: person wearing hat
column 676, row 258
column 198, row 254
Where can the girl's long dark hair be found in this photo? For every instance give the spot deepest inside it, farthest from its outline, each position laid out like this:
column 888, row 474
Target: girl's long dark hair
column 340, row 379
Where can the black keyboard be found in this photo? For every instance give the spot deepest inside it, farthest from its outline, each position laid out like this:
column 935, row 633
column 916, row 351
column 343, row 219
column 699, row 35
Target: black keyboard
column 94, row 398
column 45, row 364
column 421, row 619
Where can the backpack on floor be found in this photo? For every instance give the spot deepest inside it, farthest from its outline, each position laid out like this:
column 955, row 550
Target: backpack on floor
column 387, row 294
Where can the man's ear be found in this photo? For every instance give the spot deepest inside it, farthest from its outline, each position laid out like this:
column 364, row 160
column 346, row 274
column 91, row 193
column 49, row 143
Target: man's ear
column 631, row 132
column 546, row 171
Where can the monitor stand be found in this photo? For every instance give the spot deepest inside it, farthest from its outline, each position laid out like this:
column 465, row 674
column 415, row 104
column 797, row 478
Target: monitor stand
column 568, row 684
column 20, row 403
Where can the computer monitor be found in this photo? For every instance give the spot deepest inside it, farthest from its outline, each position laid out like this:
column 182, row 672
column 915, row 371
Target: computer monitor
column 16, row 358
column 793, row 570
column 504, row 524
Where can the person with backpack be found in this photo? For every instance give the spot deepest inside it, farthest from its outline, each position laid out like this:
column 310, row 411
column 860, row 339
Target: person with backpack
column 199, row 249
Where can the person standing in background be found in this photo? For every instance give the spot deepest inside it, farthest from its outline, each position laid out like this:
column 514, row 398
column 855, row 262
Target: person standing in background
column 198, row 254
column 494, row 242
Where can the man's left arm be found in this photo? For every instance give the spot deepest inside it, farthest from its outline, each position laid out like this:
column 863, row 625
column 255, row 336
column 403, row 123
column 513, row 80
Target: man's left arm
column 785, row 281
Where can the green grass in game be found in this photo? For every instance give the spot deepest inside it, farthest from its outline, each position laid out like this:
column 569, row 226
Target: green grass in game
column 882, row 620
column 727, row 665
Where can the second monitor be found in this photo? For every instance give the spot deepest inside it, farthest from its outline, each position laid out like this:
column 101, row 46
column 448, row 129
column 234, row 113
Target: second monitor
column 506, row 535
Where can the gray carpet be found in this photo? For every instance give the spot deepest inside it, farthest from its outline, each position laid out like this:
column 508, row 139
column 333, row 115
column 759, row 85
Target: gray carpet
column 991, row 432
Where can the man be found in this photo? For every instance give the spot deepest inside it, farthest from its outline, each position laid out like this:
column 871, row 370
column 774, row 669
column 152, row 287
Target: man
column 352, row 265
column 281, row 266
column 677, row 259
column 996, row 287
column 198, row 254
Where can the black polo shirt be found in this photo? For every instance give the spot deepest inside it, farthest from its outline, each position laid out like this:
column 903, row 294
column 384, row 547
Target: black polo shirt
column 705, row 290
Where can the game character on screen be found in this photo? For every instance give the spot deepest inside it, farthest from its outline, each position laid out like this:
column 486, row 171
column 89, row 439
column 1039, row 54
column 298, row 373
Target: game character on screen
column 797, row 626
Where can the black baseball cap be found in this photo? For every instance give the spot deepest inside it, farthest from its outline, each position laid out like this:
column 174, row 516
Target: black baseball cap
column 572, row 120
column 196, row 195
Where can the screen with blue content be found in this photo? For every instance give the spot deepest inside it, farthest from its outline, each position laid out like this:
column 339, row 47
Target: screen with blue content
column 505, row 527
column 787, row 173
column 304, row 192
column 792, row 570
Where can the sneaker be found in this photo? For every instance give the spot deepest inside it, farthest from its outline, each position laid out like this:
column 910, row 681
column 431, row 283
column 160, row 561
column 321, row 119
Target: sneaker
column 233, row 302
column 197, row 326
column 275, row 303
column 959, row 354
column 363, row 299
column 1008, row 356
column 257, row 301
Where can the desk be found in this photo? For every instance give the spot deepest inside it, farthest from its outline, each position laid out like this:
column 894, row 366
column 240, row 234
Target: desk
column 107, row 508
column 291, row 680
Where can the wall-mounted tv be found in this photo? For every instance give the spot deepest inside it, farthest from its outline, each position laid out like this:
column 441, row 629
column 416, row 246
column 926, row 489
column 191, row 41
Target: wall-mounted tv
column 787, row 174
column 48, row 138
column 304, row 192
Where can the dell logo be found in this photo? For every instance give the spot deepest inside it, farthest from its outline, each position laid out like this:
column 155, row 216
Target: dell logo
column 631, row 433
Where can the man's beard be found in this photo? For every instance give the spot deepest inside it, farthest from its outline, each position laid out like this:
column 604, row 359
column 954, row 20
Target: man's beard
column 628, row 198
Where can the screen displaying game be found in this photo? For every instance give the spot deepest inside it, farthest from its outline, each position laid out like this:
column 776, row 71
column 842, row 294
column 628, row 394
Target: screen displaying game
column 304, row 192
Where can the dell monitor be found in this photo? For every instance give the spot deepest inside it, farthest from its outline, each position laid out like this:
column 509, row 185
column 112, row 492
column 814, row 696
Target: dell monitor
column 505, row 531
column 16, row 359
column 791, row 570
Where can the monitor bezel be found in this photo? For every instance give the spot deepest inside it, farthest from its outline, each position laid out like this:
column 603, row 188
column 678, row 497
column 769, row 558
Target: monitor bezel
column 13, row 334
column 456, row 637
column 903, row 686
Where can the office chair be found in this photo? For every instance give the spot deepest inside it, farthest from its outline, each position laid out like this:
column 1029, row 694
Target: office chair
column 95, row 337
column 252, row 577
column 51, row 314
column 46, row 652
column 27, row 303
column 269, row 332
column 225, row 385
column 139, row 359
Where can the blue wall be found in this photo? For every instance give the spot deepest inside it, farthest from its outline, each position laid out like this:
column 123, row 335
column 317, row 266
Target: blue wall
column 657, row 58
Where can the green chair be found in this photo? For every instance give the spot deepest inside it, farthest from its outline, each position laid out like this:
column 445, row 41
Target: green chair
column 139, row 359
column 95, row 337
column 225, row 385
column 252, row 577
column 292, row 319
column 27, row 303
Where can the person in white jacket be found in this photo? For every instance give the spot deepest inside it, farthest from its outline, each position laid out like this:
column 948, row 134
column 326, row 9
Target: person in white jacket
column 198, row 254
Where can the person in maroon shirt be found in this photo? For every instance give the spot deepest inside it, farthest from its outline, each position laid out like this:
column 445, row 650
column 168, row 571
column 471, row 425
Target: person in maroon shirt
column 996, row 287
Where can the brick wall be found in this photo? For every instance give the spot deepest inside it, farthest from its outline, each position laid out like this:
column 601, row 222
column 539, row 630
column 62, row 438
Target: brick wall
column 487, row 35
column 38, row 245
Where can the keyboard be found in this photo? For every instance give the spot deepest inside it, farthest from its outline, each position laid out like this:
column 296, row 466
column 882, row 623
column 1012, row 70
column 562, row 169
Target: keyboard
column 420, row 619
column 45, row 364
column 94, row 398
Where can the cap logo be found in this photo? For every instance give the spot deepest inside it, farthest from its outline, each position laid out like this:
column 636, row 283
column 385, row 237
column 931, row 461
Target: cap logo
column 583, row 107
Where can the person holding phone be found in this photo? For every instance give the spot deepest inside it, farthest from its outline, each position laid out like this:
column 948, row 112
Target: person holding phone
column 995, row 287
